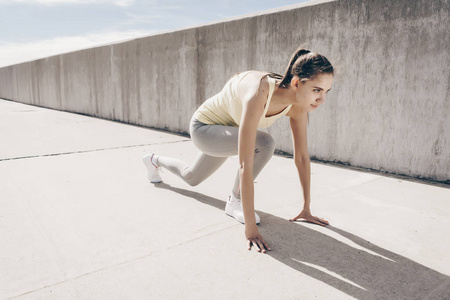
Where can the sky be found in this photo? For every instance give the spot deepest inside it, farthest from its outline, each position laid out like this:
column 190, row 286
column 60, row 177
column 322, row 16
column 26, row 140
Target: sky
column 32, row 29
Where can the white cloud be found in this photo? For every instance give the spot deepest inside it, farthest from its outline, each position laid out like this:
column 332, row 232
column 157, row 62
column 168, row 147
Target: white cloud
column 14, row 53
column 53, row 2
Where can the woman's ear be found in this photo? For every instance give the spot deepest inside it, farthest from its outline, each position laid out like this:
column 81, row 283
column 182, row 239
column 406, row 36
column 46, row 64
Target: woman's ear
column 295, row 82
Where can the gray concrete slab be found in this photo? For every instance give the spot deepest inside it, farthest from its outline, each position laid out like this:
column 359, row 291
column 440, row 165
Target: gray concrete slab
column 78, row 220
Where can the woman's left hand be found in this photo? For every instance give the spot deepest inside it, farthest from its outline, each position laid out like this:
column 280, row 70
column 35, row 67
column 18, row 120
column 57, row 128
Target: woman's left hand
column 308, row 217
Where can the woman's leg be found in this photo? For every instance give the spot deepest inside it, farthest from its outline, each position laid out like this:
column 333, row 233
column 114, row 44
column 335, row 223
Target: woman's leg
column 217, row 143
column 218, row 140
column 203, row 167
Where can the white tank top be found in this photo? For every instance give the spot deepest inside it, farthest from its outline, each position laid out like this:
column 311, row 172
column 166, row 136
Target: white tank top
column 225, row 108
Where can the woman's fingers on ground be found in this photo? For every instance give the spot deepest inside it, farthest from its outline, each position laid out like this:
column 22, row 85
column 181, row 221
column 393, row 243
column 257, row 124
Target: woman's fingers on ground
column 315, row 221
column 251, row 244
column 266, row 245
column 319, row 223
column 322, row 221
column 255, row 244
column 294, row 219
column 260, row 245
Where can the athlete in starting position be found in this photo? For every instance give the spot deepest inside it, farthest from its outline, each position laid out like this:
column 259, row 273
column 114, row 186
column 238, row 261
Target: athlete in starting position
column 227, row 124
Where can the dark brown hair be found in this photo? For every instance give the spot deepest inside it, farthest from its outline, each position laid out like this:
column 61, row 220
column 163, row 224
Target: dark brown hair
column 306, row 65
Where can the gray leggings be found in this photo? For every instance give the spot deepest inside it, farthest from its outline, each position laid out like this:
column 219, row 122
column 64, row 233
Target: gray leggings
column 217, row 143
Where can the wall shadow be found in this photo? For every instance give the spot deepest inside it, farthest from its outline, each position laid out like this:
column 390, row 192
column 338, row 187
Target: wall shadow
column 353, row 271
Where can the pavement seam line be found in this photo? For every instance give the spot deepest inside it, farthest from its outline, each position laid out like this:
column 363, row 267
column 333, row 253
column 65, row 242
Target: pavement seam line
column 87, row 151
column 80, row 276
column 132, row 260
column 181, row 243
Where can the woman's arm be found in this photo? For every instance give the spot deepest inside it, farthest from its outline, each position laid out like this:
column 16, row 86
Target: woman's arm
column 299, row 122
column 253, row 92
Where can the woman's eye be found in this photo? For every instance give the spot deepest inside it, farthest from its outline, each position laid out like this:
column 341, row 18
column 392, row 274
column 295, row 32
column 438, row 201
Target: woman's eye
column 316, row 91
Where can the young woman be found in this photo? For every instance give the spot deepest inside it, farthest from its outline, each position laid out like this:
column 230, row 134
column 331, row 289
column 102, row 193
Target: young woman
column 227, row 124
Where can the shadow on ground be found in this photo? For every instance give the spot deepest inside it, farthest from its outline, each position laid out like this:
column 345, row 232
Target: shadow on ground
column 353, row 271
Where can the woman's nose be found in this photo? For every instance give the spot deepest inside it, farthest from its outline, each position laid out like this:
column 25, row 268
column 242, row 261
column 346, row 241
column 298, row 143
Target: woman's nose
column 321, row 99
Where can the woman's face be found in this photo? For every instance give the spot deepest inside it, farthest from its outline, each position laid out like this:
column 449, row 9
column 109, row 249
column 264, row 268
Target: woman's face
column 311, row 93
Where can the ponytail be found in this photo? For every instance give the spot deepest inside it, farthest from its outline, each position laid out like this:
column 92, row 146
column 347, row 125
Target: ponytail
column 306, row 65
column 288, row 74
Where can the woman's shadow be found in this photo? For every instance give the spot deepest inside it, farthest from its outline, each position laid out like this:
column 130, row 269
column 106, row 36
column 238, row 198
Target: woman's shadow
column 353, row 271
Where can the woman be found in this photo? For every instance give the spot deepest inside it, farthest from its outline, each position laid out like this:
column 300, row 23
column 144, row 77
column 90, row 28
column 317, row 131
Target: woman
column 227, row 124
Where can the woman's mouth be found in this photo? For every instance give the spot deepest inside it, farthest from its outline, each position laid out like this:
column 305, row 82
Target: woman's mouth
column 314, row 106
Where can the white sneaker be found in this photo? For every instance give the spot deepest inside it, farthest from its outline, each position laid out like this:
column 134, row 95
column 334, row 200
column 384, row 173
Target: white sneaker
column 153, row 171
column 234, row 209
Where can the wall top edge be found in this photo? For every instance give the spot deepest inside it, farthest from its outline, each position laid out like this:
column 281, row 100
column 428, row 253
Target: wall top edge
column 245, row 16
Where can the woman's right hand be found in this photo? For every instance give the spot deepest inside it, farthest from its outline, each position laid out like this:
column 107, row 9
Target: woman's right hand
column 254, row 238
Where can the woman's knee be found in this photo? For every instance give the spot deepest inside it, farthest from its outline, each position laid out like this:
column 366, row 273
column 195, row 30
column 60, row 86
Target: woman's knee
column 264, row 142
column 193, row 182
column 190, row 179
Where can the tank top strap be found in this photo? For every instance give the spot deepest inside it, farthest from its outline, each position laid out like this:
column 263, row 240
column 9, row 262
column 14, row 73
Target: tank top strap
column 269, row 96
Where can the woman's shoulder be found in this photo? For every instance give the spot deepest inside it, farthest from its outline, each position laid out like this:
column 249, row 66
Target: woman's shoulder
column 253, row 83
column 252, row 75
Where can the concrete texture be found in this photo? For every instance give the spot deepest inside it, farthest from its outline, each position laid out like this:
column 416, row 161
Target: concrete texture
column 388, row 109
column 79, row 220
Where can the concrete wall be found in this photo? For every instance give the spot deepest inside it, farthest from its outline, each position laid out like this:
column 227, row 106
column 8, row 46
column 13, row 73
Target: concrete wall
column 388, row 109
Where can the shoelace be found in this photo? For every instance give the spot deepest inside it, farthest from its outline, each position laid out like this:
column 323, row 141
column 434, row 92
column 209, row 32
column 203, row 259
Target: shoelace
column 151, row 160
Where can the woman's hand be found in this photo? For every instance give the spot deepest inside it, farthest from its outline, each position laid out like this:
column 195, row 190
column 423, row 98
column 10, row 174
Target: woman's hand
column 306, row 215
column 255, row 238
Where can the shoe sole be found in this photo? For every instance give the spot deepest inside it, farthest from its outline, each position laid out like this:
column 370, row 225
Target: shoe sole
column 231, row 215
column 156, row 180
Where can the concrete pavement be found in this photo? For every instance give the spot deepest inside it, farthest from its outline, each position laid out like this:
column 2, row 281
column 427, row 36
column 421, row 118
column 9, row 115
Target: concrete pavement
column 79, row 220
